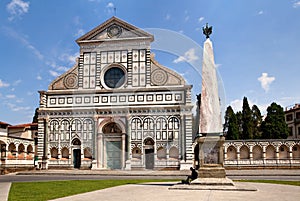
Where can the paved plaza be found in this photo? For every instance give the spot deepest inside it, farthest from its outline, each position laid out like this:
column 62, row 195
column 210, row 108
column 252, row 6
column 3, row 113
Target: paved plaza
column 161, row 192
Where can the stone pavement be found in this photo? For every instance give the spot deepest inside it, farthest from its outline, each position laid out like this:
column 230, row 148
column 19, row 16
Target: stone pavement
column 161, row 192
column 250, row 172
column 4, row 191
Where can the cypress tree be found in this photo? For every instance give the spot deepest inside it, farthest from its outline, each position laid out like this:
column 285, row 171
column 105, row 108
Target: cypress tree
column 256, row 120
column 231, row 125
column 239, row 123
column 274, row 125
column 35, row 117
column 247, row 121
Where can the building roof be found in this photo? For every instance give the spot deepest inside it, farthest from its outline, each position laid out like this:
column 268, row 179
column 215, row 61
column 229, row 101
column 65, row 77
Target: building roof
column 3, row 123
column 292, row 108
column 28, row 125
column 100, row 32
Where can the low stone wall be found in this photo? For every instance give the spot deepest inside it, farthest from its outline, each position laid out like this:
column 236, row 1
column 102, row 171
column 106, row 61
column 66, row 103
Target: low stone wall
column 68, row 164
column 14, row 165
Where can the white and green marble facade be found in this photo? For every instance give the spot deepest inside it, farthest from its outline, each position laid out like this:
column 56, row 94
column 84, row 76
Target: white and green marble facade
column 143, row 120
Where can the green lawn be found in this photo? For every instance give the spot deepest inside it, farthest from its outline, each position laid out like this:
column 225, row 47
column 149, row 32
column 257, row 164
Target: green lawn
column 56, row 189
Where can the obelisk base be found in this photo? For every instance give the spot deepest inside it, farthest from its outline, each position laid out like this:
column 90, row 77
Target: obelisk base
column 211, row 171
column 212, row 175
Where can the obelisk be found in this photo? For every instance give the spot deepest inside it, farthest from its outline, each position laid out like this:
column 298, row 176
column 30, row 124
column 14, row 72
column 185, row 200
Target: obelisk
column 210, row 113
column 209, row 141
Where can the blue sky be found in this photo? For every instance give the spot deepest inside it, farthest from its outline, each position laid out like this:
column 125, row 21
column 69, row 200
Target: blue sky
column 256, row 45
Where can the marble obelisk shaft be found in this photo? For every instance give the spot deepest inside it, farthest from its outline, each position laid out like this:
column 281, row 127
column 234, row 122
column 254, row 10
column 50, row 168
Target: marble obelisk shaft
column 210, row 113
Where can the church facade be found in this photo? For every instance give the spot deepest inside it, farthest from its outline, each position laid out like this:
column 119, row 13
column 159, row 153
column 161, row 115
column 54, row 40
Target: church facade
column 116, row 108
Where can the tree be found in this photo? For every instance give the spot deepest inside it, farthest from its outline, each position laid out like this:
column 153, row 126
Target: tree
column 239, row 122
column 274, row 126
column 35, row 117
column 256, row 120
column 231, row 125
column 247, row 123
column 196, row 117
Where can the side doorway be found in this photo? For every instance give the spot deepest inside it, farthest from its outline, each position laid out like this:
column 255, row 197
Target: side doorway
column 149, row 153
column 76, row 153
column 76, row 158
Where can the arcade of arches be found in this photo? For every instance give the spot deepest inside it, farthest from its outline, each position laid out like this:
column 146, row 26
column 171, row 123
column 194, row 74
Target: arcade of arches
column 262, row 153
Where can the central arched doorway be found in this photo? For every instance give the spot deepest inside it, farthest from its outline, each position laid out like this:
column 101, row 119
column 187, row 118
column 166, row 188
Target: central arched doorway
column 149, row 153
column 76, row 153
column 113, row 145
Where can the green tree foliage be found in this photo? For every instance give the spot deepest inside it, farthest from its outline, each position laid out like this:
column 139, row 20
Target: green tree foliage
column 239, row 122
column 35, row 117
column 247, row 123
column 274, row 125
column 256, row 121
column 231, row 125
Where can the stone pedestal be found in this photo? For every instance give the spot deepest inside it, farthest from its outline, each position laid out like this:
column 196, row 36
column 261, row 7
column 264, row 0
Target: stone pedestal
column 210, row 156
column 211, row 172
column 209, row 150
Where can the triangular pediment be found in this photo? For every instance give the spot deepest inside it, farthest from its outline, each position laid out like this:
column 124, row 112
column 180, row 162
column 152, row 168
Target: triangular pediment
column 114, row 29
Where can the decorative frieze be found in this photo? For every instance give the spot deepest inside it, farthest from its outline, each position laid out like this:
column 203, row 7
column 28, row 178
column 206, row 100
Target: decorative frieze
column 101, row 100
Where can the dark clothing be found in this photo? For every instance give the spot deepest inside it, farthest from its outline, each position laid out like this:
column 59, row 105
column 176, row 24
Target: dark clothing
column 194, row 174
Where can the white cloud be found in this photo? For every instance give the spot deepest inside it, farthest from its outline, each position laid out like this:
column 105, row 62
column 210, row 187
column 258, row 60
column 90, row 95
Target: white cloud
column 23, row 39
column 10, row 96
column 296, row 4
column 218, row 65
column 39, row 77
column 200, row 19
column 17, row 82
column 79, row 33
column 189, row 56
column 168, row 17
column 54, row 73
column 16, row 108
column 265, row 81
column 260, row 12
column 61, row 68
column 3, row 84
column 237, row 105
column 110, row 8
column 19, row 100
column 76, row 21
column 30, row 93
column 17, row 8
column 70, row 58
column 110, row 5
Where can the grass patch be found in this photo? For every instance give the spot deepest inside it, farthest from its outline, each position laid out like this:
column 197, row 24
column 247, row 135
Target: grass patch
column 294, row 183
column 22, row 191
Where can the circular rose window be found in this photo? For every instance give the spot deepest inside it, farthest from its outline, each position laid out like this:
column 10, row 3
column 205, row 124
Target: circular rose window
column 114, row 77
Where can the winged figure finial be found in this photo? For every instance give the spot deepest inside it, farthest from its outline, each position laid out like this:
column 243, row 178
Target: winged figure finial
column 207, row 30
